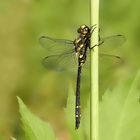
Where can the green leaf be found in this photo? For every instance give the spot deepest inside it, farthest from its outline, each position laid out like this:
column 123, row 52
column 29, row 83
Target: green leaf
column 70, row 117
column 85, row 121
column 120, row 112
column 35, row 129
column 12, row 138
column 70, row 109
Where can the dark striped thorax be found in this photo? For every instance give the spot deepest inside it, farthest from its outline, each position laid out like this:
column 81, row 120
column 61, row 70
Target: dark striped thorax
column 82, row 43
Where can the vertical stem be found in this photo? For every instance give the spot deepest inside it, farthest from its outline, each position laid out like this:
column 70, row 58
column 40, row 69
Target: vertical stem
column 94, row 98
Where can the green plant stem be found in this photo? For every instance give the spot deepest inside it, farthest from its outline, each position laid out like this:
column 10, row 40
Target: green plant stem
column 94, row 98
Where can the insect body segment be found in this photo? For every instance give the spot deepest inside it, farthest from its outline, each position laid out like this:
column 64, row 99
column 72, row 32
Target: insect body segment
column 82, row 42
column 84, row 30
column 80, row 49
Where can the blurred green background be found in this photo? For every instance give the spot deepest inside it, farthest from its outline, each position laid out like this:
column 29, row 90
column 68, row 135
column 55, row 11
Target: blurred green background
column 22, row 22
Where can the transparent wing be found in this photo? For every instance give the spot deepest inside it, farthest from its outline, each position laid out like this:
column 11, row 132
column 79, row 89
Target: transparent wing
column 56, row 46
column 108, row 44
column 61, row 62
column 110, row 51
column 107, row 60
column 63, row 54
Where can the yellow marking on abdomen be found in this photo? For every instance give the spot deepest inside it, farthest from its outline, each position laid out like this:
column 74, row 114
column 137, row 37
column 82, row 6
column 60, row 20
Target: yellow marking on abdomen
column 81, row 45
column 77, row 40
column 80, row 56
column 77, row 106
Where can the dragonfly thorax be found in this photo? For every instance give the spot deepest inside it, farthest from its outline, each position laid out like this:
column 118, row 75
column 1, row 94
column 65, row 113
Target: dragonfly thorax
column 81, row 44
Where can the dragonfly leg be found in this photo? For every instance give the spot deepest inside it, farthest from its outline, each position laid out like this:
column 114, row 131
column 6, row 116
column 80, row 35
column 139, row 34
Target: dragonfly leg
column 100, row 43
column 92, row 29
column 92, row 26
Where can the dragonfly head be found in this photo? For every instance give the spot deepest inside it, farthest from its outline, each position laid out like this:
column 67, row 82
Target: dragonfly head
column 83, row 30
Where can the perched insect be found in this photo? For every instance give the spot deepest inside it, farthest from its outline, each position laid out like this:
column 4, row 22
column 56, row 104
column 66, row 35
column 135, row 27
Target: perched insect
column 76, row 50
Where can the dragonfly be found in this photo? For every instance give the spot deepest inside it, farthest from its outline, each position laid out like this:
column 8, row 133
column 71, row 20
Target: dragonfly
column 74, row 51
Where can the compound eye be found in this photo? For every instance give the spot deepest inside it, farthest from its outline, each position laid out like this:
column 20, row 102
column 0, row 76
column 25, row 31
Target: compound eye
column 79, row 30
column 83, row 26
